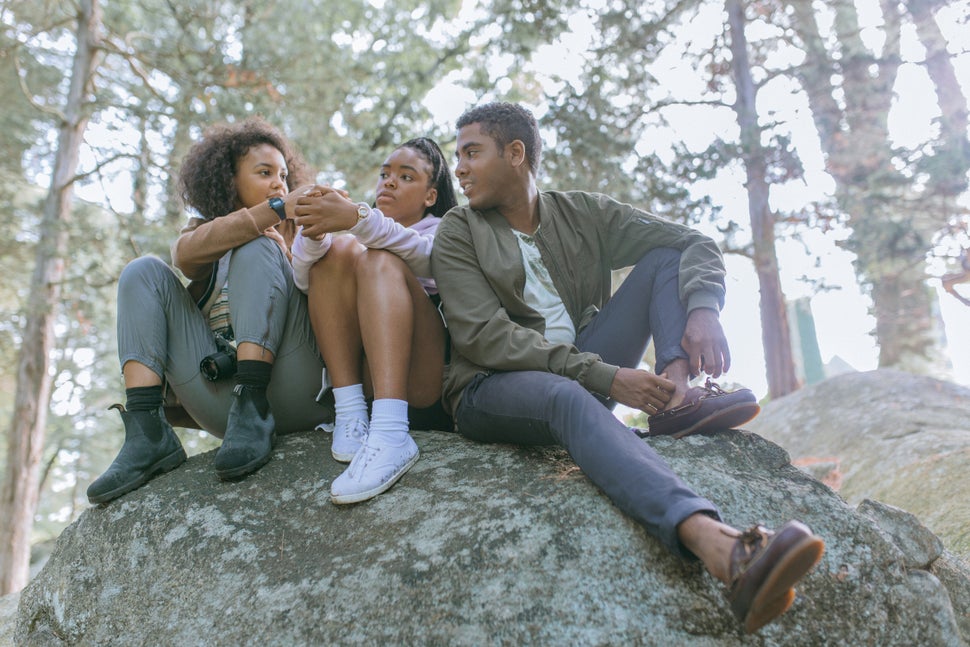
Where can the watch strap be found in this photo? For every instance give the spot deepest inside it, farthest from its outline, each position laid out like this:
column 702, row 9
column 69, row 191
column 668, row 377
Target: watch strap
column 279, row 207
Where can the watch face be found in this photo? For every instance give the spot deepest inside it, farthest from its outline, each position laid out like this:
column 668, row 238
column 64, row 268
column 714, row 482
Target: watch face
column 277, row 205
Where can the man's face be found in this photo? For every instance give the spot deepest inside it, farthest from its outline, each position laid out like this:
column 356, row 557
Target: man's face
column 483, row 173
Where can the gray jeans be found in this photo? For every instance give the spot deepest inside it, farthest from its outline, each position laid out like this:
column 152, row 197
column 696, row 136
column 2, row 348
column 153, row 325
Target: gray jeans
column 160, row 326
column 538, row 408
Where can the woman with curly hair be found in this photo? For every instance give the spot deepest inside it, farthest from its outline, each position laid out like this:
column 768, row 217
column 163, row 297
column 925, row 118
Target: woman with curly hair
column 374, row 311
column 241, row 299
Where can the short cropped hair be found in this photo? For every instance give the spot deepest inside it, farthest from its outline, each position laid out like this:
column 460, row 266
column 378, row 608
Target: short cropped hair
column 506, row 122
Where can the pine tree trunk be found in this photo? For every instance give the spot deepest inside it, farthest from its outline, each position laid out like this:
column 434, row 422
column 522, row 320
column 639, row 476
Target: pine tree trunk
column 892, row 221
column 775, row 333
column 19, row 493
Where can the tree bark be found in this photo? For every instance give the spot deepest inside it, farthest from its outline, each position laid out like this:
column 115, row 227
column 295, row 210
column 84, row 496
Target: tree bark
column 19, row 493
column 775, row 333
column 892, row 224
column 951, row 177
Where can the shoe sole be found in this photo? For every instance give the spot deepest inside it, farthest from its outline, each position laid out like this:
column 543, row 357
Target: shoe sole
column 729, row 418
column 793, row 566
column 357, row 497
column 342, row 458
column 166, row 464
column 771, row 610
column 248, row 468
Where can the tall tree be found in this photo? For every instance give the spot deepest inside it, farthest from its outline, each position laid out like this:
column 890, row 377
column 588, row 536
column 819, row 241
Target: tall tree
column 603, row 133
column 775, row 333
column 19, row 493
column 893, row 212
column 154, row 96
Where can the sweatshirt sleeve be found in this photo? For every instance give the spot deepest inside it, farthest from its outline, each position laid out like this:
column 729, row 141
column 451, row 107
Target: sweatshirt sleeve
column 305, row 252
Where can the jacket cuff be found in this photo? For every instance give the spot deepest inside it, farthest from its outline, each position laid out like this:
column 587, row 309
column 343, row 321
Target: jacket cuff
column 599, row 378
column 703, row 299
column 264, row 214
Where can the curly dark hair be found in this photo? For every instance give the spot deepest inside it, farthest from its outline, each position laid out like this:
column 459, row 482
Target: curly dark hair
column 207, row 176
column 506, row 122
column 440, row 177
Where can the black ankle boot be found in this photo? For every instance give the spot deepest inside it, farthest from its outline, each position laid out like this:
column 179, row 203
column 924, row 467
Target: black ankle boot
column 151, row 447
column 249, row 436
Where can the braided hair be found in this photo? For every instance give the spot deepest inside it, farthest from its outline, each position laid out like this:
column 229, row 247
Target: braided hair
column 440, row 178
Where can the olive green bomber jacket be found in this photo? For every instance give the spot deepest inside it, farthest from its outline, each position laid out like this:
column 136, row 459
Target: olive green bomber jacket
column 582, row 237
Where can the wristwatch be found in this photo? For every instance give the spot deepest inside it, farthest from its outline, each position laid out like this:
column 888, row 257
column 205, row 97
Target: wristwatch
column 279, row 207
column 363, row 210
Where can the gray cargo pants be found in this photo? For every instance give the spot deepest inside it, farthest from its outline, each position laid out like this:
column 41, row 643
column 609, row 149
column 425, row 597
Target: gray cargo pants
column 160, row 326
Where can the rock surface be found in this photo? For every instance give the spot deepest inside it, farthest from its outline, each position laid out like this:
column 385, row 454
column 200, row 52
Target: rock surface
column 884, row 435
column 477, row 545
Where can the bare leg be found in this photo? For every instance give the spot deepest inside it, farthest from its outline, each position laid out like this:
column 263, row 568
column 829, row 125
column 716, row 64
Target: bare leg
column 332, row 302
column 137, row 374
column 711, row 540
column 678, row 371
column 403, row 336
column 248, row 350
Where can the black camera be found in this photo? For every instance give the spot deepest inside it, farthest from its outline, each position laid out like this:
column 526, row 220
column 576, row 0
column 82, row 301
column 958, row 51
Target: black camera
column 221, row 364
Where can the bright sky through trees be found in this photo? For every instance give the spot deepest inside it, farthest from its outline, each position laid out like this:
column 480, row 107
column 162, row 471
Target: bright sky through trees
column 842, row 322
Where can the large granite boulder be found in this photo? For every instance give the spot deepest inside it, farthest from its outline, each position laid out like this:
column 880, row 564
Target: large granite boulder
column 888, row 435
column 477, row 545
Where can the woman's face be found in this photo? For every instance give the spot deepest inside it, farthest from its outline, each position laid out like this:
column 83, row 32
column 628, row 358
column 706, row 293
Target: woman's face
column 260, row 175
column 403, row 191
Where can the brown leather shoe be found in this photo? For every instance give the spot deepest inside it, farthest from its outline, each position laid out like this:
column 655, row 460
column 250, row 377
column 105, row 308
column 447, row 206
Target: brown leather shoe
column 765, row 565
column 705, row 408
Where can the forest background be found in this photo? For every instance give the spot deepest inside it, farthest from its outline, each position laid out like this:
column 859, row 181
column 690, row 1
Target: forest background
column 824, row 144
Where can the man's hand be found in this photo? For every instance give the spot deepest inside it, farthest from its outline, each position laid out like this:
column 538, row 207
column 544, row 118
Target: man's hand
column 641, row 389
column 705, row 343
column 323, row 209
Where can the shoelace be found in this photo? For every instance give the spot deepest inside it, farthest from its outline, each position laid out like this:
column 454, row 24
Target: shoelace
column 751, row 541
column 364, row 456
column 712, row 389
column 356, row 430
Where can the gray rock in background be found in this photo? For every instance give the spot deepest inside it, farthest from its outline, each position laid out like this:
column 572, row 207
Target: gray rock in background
column 477, row 545
column 8, row 616
column 891, row 436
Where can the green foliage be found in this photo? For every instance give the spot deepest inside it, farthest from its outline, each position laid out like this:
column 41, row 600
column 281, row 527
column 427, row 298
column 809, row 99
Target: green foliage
column 348, row 81
column 347, row 90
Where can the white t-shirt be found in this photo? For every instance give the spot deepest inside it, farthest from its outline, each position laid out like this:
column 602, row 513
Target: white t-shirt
column 541, row 294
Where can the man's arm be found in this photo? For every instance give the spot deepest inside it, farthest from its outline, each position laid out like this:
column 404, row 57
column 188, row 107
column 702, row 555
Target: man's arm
column 701, row 283
column 480, row 326
column 629, row 233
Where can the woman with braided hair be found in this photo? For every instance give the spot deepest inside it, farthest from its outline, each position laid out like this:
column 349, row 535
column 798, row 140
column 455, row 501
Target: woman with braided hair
column 373, row 307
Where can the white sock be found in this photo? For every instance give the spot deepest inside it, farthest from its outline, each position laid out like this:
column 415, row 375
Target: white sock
column 389, row 421
column 349, row 403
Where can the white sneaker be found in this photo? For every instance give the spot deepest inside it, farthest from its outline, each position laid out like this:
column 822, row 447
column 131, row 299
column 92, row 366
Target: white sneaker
column 348, row 436
column 375, row 468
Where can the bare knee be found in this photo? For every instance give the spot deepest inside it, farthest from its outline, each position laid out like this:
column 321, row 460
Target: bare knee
column 340, row 260
column 379, row 264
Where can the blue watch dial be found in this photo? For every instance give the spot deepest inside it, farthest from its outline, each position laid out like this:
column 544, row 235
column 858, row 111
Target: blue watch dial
column 279, row 207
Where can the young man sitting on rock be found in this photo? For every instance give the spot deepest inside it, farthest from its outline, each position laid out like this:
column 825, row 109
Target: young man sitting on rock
column 539, row 347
